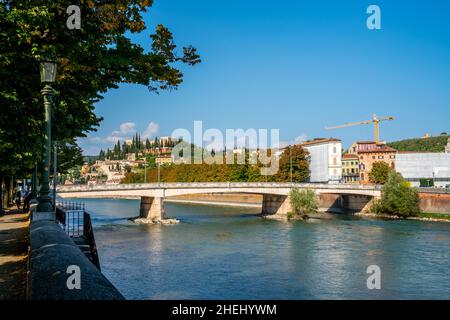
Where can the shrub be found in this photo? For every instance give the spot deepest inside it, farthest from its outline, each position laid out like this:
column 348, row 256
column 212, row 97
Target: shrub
column 379, row 172
column 303, row 201
column 398, row 197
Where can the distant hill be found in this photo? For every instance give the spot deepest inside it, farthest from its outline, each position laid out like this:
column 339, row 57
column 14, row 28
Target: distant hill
column 431, row 144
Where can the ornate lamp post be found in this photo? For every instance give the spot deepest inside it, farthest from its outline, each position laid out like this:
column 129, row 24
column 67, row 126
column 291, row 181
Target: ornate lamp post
column 48, row 75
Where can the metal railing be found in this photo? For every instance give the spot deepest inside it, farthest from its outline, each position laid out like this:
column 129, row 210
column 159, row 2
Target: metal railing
column 78, row 225
column 70, row 205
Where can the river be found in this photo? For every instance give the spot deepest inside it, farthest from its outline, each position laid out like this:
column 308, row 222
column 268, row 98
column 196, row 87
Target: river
column 229, row 253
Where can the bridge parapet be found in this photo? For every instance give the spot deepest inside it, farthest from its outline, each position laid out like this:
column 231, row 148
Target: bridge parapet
column 203, row 185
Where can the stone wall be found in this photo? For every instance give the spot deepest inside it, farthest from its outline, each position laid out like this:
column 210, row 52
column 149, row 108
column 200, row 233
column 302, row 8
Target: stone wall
column 435, row 202
column 52, row 251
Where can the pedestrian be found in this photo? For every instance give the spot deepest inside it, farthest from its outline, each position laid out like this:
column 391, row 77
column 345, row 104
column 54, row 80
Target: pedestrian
column 26, row 201
column 18, row 199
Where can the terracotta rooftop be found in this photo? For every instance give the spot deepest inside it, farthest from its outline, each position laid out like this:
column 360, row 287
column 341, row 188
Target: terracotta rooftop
column 379, row 148
column 350, row 156
column 319, row 140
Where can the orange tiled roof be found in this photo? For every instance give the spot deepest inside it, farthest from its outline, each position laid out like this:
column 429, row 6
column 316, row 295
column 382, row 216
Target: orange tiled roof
column 321, row 140
column 350, row 156
column 379, row 148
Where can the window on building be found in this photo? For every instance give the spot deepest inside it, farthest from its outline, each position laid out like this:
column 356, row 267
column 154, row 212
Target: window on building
column 334, row 150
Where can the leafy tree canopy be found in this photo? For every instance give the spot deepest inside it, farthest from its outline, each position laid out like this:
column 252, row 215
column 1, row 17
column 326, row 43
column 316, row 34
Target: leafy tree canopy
column 91, row 60
column 379, row 172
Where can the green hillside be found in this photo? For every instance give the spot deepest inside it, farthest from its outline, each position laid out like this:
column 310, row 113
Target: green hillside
column 431, row 144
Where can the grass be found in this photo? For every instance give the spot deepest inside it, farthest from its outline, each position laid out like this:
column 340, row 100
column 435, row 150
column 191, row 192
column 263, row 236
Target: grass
column 434, row 215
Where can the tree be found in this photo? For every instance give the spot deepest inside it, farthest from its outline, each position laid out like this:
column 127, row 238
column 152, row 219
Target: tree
column 101, row 155
column 379, row 172
column 303, row 202
column 92, row 60
column 398, row 198
column 298, row 157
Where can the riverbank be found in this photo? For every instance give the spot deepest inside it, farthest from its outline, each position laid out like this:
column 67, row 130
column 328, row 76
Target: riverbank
column 423, row 216
column 14, row 237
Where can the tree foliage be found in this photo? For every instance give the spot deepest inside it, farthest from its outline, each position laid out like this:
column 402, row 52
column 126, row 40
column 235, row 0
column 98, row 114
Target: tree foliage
column 91, row 60
column 229, row 172
column 431, row 144
column 300, row 166
column 398, row 198
column 379, row 172
column 303, row 201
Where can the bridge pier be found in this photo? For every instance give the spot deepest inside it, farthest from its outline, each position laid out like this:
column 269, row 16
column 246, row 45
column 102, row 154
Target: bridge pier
column 152, row 208
column 276, row 204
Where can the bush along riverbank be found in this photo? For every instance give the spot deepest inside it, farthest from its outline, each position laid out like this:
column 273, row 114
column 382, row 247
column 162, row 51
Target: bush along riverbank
column 304, row 203
column 400, row 201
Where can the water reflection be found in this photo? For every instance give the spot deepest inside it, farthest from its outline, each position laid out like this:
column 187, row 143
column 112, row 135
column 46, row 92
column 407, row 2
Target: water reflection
column 227, row 253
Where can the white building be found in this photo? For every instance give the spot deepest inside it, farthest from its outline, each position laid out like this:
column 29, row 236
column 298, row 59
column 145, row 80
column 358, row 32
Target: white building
column 415, row 166
column 447, row 147
column 325, row 164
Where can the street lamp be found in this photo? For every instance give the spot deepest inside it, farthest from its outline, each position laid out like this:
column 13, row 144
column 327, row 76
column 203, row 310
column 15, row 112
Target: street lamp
column 48, row 75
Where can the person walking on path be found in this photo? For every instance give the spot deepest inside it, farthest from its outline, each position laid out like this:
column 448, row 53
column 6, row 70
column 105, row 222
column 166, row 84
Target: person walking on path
column 18, row 199
column 26, row 202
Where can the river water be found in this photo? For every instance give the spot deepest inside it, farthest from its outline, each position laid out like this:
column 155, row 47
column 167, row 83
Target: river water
column 229, row 253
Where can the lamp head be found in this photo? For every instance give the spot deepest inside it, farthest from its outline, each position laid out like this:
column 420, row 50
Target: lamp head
column 48, row 71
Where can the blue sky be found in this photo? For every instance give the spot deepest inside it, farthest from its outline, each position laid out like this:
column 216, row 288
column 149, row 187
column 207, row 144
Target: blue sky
column 297, row 66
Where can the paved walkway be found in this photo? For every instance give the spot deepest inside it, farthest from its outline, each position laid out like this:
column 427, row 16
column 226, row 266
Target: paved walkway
column 13, row 255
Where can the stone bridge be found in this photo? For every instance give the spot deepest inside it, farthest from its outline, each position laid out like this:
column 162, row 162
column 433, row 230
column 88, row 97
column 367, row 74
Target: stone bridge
column 276, row 199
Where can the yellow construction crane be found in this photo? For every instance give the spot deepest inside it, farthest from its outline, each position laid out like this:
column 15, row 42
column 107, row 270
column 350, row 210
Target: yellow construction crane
column 375, row 120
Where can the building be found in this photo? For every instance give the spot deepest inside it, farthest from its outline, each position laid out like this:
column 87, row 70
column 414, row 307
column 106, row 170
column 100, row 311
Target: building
column 130, row 156
column 350, row 168
column 167, row 141
column 425, row 168
column 370, row 152
column 325, row 164
column 163, row 160
column 447, row 147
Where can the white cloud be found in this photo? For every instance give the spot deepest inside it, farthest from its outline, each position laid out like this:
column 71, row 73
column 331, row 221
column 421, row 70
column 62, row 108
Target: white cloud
column 127, row 127
column 152, row 129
